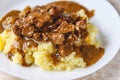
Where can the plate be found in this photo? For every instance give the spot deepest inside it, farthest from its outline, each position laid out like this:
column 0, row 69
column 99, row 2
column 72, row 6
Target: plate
column 106, row 19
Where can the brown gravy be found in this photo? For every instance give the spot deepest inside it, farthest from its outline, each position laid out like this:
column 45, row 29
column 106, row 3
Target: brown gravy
column 72, row 7
column 91, row 54
column 11, row 13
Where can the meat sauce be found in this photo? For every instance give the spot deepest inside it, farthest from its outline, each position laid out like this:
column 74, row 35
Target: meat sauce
column 62, row 37
column 11, row 13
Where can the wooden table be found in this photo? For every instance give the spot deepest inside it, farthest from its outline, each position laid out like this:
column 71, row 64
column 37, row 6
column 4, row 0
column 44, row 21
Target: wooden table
column 110, row 72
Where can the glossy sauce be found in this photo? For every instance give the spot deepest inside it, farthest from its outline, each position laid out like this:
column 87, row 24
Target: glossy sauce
column 11, row 13
column 91, row 54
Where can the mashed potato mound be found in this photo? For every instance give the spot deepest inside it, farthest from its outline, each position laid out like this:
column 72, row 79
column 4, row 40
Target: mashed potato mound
column 40, row 55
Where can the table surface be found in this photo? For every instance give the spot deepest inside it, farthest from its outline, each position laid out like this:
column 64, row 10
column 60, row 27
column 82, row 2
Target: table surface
column 109, row 72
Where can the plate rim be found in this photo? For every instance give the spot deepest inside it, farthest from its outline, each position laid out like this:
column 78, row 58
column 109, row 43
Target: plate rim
column 86, row 74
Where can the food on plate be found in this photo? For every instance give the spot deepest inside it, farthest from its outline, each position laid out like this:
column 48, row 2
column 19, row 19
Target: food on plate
column 53, row 36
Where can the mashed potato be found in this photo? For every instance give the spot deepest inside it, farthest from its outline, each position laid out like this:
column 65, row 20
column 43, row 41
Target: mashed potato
column 40, row 55
column 91, row 38
column 7, row 38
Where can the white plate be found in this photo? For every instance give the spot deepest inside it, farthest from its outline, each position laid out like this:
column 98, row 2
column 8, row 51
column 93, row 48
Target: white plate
column 106, row 19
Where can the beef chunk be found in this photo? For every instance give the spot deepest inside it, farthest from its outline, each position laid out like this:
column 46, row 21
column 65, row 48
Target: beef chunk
column 65, row 27
column 81, row 24
column 38, row 36
column 55, row 11
column 28, row 31
column 56, row 38
column 17, row 30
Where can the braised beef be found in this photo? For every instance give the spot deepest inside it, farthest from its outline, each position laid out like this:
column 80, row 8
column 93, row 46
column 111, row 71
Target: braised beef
column 56, row 38
column 45, row 36
column 67, row 18
column 65, row 27
column 55, row 12
column 17, row 30
column 53, row 25
column 70, row 38
column 81, row 23
column 37, row 36
column 41, row 20
column 28, row 31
